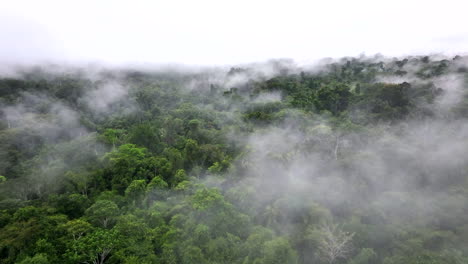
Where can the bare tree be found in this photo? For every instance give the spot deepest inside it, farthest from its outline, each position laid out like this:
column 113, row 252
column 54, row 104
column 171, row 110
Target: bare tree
column 334, row 243
column 337, row 144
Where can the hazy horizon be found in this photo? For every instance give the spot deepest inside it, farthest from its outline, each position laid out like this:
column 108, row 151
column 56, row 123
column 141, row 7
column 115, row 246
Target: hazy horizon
column 209, row 33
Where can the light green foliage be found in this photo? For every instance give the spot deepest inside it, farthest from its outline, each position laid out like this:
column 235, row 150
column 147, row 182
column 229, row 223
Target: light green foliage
column 136, row 190
column 183, row 186
column 130, row 163
column 78, row 181
column 191, row 150
column 138, row 238
column 179, row 177
column 37, row 259
column 94, row 247
column 103, row 212
column 174, row 156
column 366, row 256
column 112, row 136
column 157, row 183
column 76, row 229
column 206, row 198
column 47, row 248
column 278, row 251
column 219, row 167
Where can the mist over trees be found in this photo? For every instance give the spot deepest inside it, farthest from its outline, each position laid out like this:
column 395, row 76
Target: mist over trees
column 357, row 160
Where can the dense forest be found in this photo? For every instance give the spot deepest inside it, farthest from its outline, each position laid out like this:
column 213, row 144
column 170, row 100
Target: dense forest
column 357, row 160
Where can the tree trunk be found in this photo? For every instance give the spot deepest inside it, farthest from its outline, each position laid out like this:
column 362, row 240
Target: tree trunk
column 336, row 147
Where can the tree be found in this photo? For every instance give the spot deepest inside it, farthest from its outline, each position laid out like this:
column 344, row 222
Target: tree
column 77, row 228
column 157, row 183
column 138, row 238
column 193, row 254
column 79, row 181
column 112, row 136
column 179, row 177
column 366, row 256
column 136, row 190
column 219, row 167
column 130, row 163
column 103, row 212
column 334, row 244
column 174, row 157
column 206, row 198
column 156, row 189
column 191, row 151
column 37, row 259
column 95, row 247
column 73, row 205
column 145, row 135
column 278, row 251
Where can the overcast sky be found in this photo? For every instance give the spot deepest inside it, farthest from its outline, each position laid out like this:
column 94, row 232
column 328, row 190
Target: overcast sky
column 203, row 32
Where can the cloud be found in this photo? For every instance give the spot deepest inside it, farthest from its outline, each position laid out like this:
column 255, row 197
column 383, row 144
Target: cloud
column 43, row 115
column 104, row 95
column 212, row 32
column 26, row 41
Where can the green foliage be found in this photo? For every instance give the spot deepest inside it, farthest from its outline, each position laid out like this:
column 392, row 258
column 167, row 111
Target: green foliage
column 179, row 177
column 206, row 198
column 73, row 205
column 219, row 167
column 334, row 98
column 130, row 163
column 157, row 183
column 77, row 228
column 103, row 212
column 170, row 174
column 136, row 190
column 366, row 256
column 37, row 259
column 112, row 136
column 96, row 246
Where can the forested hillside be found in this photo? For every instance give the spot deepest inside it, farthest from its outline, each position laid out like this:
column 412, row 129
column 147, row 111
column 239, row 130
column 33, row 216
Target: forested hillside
column 358, row 161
